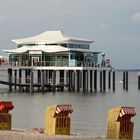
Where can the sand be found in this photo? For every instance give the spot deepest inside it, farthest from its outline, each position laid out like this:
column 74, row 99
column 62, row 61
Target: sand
column 35, row 134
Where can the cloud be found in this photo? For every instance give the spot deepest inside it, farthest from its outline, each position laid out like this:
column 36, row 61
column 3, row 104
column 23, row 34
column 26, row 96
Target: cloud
column 136, row 17
column 3, row 18
column 103, row 25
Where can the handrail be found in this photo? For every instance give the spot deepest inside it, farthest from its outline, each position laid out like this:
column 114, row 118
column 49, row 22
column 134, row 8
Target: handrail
column 50, row 63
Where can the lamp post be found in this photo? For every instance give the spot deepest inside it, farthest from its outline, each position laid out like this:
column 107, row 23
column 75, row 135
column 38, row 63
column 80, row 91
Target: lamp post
column 103, row 59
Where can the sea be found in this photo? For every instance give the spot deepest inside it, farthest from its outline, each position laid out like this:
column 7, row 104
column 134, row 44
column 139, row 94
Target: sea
column 90, row 109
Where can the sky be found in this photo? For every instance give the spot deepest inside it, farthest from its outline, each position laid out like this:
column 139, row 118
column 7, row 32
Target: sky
column 114, row 25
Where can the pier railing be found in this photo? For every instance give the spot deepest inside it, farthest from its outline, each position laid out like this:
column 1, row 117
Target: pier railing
column 51, row 63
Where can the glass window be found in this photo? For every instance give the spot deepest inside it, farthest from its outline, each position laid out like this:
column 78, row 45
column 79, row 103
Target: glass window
column 84, row 46
column 80, row 46
column 64, row 45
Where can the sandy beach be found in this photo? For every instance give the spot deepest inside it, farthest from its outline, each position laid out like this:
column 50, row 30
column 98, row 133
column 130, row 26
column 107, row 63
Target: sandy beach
column 36, row 135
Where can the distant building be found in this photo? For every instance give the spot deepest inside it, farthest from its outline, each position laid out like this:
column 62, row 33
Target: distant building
column 53, row 48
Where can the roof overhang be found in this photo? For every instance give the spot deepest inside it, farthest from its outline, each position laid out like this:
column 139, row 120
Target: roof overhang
column 48, row 49
column 51, row 37
column 22, row 49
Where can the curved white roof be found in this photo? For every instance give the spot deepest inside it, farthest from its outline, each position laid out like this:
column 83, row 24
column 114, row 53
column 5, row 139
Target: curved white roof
column 47, row 49
column 18, row 50
column 51, row 37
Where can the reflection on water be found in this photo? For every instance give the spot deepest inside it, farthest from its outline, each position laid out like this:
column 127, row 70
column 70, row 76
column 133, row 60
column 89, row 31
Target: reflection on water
column 90, row 109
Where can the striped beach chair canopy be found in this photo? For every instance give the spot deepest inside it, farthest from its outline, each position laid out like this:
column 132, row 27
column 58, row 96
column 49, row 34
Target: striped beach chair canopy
column 6, row 105
column 63, row 108
column 127, row 111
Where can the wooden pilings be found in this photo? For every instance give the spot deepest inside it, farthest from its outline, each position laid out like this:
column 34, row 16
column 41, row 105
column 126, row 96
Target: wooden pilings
column 113, row 81
column 138, row 81
column 27, row 79
column 70, row 80
column 78, row 80
column 10, row 79
column 84, row 80
column 61, row 80
column 42, row 80
column 20, row 79
column 31, row 80
column 91, row 80
column 15, row 78
column 73, row 80
column 39, row 78
column 109, row 80
column 53, row 80
column 125, row 80
column 104, row 80
column 95, row 80
column 101, row 81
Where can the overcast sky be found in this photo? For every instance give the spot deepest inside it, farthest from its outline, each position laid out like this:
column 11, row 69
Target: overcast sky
column 114, row 25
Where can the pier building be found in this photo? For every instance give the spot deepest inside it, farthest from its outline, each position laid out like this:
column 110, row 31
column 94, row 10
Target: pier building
column 52, row 48
column 53, row 61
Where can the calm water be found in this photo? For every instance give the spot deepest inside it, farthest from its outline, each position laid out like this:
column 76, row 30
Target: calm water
column 90, row 109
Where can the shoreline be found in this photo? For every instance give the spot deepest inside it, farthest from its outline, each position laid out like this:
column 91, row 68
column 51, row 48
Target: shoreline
column 34, row 134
